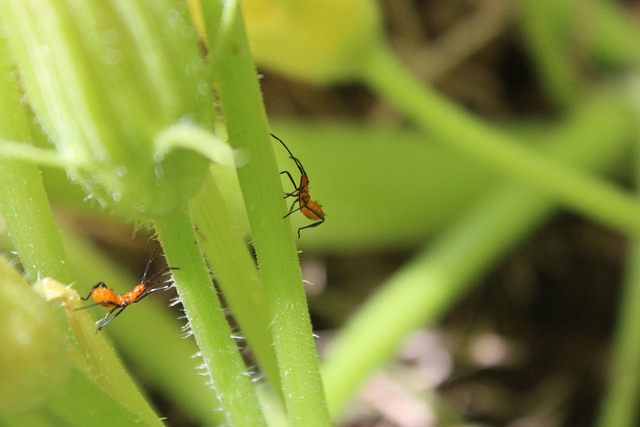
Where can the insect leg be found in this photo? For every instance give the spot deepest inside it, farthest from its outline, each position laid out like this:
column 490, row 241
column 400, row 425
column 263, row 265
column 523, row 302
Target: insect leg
column 146, row 270
column 159, row 276
column 316, row 213
column 315, row 224
column 97, row 285
column 293, row 193
column 109, row 317
column 149, row 291
column 292, row 210
column 86, row 306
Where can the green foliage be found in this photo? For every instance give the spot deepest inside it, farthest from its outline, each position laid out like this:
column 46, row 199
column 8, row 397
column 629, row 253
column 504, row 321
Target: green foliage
column 123, row 95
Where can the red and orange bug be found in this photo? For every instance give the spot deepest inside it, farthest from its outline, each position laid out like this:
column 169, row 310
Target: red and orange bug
column 309, row 208
column 106, row 297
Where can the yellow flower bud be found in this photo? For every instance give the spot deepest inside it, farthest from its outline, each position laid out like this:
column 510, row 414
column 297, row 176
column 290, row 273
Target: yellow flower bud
column 321, row 41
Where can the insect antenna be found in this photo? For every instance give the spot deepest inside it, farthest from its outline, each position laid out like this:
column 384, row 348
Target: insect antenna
column 294, row 158
column 146, row 270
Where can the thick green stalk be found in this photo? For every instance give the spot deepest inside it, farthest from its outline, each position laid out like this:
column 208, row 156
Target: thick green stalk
column 23, row 201
column 14, row 150
column 222, row 361
column 236, row 274
column 620, row 404
column 248, row 131
column 583, row 193
column 33, row 231
column 441, row 273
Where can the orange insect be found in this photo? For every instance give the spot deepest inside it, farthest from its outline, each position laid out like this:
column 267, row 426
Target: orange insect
column 309, row 208
column 106, row 297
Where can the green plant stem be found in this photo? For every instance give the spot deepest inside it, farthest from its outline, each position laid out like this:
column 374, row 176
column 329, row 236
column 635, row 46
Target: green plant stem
column 548, row 28
column 564, row 38
column 471, row 136
column 33, row 231
column 289, row 322
column 23, row 201
column 235, row 271
column 441, row 273
column 620, row 404
column 208, row 323
column 613, row 27
column 192, row 137
column 29, row 153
